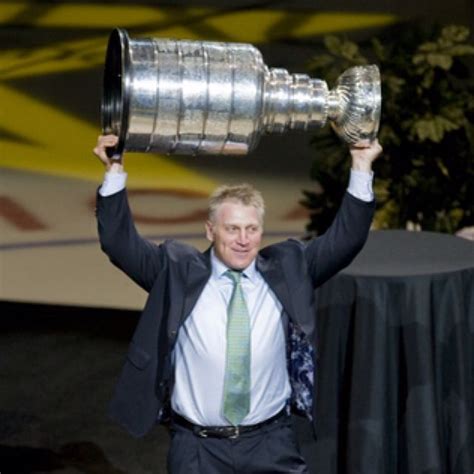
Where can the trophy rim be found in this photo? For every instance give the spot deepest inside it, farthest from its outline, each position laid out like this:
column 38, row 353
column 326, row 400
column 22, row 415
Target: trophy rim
column 115, row 93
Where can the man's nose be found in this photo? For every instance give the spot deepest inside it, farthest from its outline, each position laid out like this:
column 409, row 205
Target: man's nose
column 243, row 238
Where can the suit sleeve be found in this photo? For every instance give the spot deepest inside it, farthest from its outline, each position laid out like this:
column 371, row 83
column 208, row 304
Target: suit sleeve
column 338, row 246
column 140, row 259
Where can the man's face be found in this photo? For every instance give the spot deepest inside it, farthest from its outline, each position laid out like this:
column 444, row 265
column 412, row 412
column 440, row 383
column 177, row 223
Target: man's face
column 236, row 233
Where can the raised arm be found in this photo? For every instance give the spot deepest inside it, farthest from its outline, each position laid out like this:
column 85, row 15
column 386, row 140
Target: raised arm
column 140, row 259
column 338, row 246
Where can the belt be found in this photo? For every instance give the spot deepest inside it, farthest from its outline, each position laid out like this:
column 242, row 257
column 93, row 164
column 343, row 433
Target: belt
column 231, row 432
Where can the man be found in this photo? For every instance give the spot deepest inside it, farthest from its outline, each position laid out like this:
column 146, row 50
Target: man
column 226, row 345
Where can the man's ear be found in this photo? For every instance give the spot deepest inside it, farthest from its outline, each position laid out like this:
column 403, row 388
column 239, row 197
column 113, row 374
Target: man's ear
column 209, row 231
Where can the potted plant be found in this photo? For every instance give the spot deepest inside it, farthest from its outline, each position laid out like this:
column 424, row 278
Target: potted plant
column 425, row 178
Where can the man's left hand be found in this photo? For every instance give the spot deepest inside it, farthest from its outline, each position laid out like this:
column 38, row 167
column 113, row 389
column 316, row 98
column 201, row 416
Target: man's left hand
column 362, row 157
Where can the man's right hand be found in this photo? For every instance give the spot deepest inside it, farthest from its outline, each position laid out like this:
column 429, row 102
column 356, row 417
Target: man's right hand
column 114, row 164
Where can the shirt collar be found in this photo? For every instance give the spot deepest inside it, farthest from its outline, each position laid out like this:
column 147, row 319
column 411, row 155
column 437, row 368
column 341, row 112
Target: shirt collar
column 219, row 268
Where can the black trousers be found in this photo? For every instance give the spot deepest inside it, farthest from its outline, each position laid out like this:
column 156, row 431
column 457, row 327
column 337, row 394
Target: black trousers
column 270, row 449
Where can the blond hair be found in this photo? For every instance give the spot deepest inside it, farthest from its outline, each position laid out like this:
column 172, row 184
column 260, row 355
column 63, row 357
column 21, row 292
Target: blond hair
column 243, row 193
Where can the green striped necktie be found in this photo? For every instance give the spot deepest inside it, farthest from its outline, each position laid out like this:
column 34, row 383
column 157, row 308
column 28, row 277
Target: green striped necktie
column 237, row 371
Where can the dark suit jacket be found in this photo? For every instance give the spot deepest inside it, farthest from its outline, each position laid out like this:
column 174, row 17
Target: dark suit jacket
column 175, row 274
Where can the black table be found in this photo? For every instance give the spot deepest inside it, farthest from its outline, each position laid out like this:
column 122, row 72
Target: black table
column 396, row 372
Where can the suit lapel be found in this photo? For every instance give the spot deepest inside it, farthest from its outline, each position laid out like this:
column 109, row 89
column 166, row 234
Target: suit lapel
column 198, row 274
column 273, row 274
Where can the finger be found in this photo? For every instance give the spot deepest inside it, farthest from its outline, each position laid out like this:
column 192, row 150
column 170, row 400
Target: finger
column 361, row 146
column 108, row 135
column 107, row 140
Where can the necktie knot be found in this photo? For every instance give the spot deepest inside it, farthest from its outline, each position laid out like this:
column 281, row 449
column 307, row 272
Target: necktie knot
column 234, row 275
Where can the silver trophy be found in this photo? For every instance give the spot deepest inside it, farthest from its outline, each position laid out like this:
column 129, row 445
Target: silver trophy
column 202, row 97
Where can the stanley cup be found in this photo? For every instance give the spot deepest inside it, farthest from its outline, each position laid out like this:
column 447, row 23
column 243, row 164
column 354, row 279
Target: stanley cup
column 202, row 97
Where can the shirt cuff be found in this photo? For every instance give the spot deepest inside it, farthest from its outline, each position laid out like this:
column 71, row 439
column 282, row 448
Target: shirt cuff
column 113, row 183
column 360, row 185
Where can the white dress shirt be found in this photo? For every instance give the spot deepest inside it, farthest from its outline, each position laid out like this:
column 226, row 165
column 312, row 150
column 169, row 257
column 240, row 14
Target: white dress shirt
column 200, row 350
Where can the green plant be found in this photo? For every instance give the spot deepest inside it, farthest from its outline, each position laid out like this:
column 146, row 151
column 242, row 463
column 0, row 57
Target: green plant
column 425, row 176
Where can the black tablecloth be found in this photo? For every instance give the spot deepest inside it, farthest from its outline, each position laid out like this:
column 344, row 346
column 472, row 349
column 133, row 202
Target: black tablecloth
column 396, row 372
